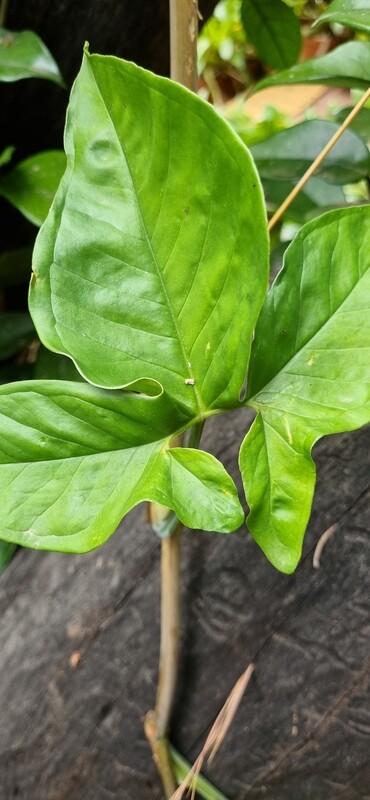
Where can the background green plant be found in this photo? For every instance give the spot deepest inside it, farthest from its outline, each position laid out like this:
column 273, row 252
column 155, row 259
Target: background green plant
column 29, row 186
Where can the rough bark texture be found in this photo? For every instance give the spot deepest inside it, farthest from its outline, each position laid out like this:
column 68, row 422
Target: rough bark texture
column 303, row 729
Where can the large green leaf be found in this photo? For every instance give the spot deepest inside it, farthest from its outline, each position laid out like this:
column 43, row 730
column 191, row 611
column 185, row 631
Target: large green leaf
column 309, row 374
column 74, row 459
column 24, row 55
column 144, row 267
column 288, row 154
column 352, row 13
column 274, row 30
column 32, row 184
column 347, row 65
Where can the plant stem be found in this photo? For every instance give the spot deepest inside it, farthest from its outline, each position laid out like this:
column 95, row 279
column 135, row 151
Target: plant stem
column 183, row 36
column 320, row 158
column 156, row 722
column 170, row 619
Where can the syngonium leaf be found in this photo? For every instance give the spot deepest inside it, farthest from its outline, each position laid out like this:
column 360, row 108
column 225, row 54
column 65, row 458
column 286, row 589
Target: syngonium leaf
column 24, row 55
column 74, row 459
column 309, row 374
column 144, row 267
column 273, row 29
column 32, row 184
column 351, row 13
column 288, row 154
column 347, row 66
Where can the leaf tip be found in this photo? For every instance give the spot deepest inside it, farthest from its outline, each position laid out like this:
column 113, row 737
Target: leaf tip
column 284, row 559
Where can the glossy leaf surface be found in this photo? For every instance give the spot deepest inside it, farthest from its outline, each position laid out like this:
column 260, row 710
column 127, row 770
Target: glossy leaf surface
column 274, row 30
column 143, row 267
column 309, row 375
column 32, row 184
column 351, row 13
column 347, row 66
column 287, row 154
column 24, row 55
column 74, row 459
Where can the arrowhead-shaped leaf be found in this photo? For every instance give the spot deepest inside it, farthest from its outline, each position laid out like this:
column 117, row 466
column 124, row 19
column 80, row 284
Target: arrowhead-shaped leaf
column 32, row 184
column 288, row 154
column 351, row 13
column 309, row 374
column 274, row 30
column 144, row 267
column 74, row 459
column 24, row 55
column 347, row 65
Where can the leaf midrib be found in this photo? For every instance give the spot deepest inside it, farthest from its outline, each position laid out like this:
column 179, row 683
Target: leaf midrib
column 188, row 370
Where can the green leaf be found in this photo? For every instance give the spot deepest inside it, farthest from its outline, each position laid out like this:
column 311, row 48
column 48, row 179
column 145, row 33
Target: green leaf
column 143, row 267
column 6, row 155
column 204, row 787
column 274, row 30
column 32, row 184
column 16, row 331
column 7, row 551
column 287, row 154
column 347, row 66
column 202, row 490
column 316, row 194
column 309, row 374
column 74, row 459
column 24, row 55
column 360, row 124
column 351, row 13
